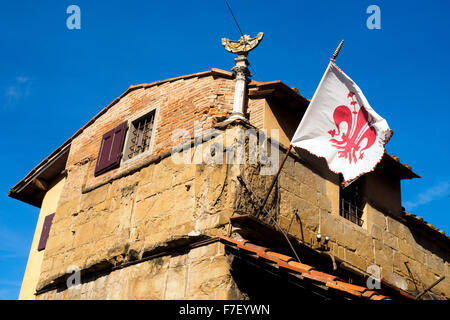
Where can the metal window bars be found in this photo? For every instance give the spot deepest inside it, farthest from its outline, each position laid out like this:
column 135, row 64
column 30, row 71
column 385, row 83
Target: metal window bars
column 351, row 212
column 141, row 134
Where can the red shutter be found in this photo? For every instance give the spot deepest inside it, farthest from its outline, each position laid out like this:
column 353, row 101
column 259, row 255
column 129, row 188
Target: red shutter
column 45, row 231
column 111, row 149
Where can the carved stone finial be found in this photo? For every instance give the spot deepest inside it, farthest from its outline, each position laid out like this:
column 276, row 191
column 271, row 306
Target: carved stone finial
column 244, row 45
column 241, row 47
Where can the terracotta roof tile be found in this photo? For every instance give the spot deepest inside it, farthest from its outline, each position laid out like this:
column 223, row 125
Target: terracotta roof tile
column 301, row 265
column 236, row 242
column 253, row 248
column 419, row 220
column 279, row 256
column 407, row 166
column 293, row 268
column 273, row 259
column 352, row 286
column 342, row 286
column 326, row 276
column 307, row 271
column 379, row 297
column 369, row 293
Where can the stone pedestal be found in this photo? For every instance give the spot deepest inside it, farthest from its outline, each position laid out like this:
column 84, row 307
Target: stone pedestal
column 240, row 89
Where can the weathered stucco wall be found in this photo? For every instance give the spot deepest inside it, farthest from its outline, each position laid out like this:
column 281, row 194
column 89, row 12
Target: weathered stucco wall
column 35, row 258
column 284, row 119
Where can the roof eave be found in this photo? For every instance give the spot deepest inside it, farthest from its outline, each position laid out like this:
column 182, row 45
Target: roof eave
column 31, row 176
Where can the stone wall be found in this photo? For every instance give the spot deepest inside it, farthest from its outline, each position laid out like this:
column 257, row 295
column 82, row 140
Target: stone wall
column 201, row 273
column 109, row 225
column 120, row 216
column 385, row 239
column 156, row 207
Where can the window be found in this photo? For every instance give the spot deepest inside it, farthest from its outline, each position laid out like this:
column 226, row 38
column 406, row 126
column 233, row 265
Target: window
column 352, row 202
column 139, row 138
column 111, row 149
column 128, row 140
column 45, row 231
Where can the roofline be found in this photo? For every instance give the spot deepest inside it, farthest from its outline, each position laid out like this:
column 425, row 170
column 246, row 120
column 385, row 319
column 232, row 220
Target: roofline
column 421, row 223
column 34, row 173
column 409, row 173
column 278, row 84
column 288, row 263
column 292, row 92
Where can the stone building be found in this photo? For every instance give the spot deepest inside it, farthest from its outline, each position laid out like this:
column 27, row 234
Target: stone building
column 142, row 210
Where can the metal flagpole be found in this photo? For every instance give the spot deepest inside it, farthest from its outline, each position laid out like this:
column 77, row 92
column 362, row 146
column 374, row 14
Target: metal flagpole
column 336, row 52
column 275, row 178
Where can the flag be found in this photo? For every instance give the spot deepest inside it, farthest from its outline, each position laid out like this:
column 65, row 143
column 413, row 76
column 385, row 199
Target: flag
column 340, row 126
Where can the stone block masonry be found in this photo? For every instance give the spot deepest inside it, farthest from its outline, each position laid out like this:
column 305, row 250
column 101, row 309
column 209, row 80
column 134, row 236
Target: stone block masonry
column 408, row 259
column 147, row 230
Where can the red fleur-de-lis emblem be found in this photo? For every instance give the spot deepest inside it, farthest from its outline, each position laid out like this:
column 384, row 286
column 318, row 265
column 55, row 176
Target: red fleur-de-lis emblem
column 359, row 135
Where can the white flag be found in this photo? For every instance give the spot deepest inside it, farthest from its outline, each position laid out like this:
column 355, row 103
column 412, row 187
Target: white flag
column 340, row 126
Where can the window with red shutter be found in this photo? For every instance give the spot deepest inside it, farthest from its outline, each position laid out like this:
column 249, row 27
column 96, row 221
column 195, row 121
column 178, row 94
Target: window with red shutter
column 45, row 231
column 111, row 149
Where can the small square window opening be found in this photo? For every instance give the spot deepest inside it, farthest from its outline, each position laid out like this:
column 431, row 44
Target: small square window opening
column 352, row 202
column 139, row 139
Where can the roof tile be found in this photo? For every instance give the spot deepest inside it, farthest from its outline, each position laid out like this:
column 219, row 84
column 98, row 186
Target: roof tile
column 236, row 242
column 379, row 297
column 369, row 293
column 280, row 256
column 287, row 262
column 300, row 265
column 342, row 286
column 422, row 222
column 352, row 286
column 293, row 267
column 254, row 248
column 323, row 275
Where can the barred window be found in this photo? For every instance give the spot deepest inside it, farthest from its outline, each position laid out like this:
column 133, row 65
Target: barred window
column 352, row 202
column 140, row 135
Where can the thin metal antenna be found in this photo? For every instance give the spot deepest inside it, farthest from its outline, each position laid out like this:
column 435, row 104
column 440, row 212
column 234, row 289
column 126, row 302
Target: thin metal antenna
column 237, row 24
column 240, row 30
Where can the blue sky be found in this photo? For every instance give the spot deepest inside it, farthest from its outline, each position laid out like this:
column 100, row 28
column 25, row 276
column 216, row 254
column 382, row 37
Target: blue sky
column 53, row 80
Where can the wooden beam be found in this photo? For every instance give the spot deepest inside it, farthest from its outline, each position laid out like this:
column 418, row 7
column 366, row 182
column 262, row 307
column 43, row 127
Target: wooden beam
column 41, row 184
column 260, row 93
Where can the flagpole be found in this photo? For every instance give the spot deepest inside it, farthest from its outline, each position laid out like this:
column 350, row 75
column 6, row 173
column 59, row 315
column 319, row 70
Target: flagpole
column 336, row 52
column 275, row 178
